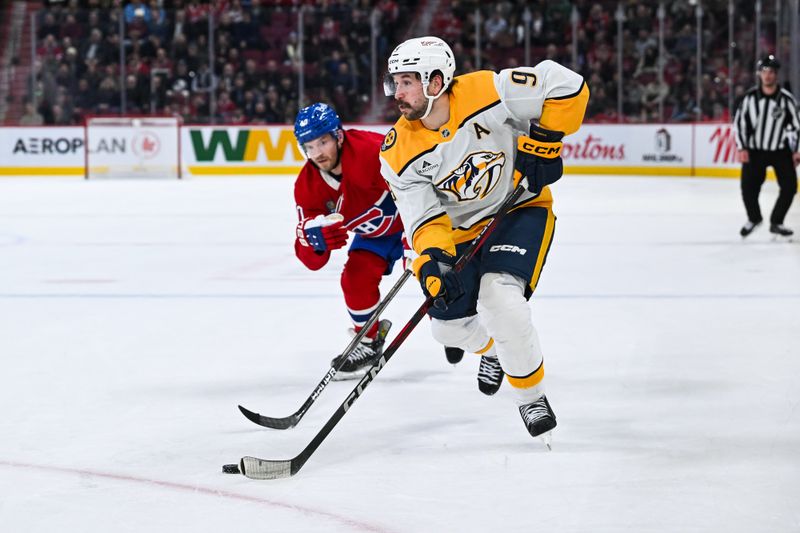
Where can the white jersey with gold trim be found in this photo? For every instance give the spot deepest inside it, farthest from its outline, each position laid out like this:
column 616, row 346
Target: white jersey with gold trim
column 465, row 168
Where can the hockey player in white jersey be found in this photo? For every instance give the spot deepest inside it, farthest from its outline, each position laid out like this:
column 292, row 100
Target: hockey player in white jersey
column 458, row 151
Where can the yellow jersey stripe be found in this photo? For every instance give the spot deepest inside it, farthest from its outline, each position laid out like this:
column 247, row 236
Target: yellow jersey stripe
column 526, row 382
column 486, row 348
column 565, row 113
column 435, row 232
column 547, row 240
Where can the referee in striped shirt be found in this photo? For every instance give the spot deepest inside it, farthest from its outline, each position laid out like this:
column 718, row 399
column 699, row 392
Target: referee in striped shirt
column 767, row 125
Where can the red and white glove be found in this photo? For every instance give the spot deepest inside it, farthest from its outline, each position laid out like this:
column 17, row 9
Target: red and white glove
column 322, row 232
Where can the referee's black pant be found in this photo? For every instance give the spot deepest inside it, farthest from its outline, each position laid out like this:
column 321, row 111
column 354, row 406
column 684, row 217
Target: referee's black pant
column 754, row 173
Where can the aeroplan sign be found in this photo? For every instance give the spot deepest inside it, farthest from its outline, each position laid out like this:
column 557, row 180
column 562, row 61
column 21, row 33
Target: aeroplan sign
column 244, row 145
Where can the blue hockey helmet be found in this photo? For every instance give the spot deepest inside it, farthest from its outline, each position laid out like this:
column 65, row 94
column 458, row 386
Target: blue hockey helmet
column 315, row 121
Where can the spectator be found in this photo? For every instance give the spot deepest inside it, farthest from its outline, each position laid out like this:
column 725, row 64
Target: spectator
column 107, row 96
column 197, row 18
column 225, row 107
column 158, row 25
column 94, row 48
column 71, row 28
column 245, row 32
column 204, row 81
column 31, row 117
column 137, row 99
column 496, row 27
column 275, row 105
column 48, row 26
column 292, row 51
column 84, row 98
column 137, row 10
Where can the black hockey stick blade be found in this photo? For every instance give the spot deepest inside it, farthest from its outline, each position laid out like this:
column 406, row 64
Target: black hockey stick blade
column 256, row 468
column 288, row 422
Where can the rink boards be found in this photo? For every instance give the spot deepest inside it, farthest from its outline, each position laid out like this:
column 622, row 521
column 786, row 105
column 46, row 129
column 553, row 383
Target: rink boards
column 642, row 149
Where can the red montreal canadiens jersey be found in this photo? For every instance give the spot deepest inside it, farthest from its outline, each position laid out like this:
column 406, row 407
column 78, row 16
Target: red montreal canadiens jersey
column 362, row 196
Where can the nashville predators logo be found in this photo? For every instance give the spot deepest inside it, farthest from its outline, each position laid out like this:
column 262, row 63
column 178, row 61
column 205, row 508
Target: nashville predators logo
column 475, row 177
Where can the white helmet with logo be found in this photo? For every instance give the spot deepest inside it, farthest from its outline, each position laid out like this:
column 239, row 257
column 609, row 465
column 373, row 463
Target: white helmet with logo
column 423, row 55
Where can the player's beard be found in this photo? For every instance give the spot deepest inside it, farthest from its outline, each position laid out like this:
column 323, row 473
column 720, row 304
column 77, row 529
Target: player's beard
column 331, row 164
column 412, row 113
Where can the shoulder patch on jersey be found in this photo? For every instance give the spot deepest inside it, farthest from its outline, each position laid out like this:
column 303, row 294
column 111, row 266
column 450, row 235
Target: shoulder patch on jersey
column 389, row 140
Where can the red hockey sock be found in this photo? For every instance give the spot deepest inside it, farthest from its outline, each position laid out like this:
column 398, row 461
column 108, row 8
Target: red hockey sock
column 361, row 279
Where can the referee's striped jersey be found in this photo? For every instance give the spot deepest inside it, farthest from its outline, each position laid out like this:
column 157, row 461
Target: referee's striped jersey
column 765, row 122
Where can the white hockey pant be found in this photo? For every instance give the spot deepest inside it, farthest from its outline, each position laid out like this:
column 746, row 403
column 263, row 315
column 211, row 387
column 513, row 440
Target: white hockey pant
column 504, row 316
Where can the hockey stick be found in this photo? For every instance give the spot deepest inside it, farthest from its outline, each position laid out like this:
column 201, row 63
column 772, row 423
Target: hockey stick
column 256, row 468
column 291, row 421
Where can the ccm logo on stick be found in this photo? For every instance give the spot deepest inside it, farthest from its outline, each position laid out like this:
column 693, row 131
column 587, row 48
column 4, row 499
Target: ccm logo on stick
column 507, row 248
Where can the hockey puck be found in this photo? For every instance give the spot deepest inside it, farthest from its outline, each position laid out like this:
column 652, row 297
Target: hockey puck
column 231, row 469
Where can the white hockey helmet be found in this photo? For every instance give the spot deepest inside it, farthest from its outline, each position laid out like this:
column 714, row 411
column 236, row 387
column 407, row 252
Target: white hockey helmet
column 423, row 55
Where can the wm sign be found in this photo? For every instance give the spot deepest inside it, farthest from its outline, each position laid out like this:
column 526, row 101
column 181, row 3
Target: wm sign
column 245, row 145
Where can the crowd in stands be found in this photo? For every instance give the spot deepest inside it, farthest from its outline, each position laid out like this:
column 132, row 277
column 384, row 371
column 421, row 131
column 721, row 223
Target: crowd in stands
column 249, row 74
column 550, row 23
column 253, row 76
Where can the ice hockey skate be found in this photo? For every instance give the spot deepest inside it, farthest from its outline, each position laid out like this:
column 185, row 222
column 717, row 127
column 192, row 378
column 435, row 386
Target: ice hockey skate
column 539, row 419
column 363, row 356
column 779, row 230
column 749, row 227
column 490, row 375
column 454, row 355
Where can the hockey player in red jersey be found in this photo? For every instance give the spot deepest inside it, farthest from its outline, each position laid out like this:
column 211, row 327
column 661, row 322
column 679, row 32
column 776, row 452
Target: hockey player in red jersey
column 340, row 190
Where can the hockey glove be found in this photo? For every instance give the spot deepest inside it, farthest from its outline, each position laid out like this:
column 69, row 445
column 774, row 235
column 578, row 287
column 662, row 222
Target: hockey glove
column 322, row 233
column 539, row 158
column 408, row 254
column 434, row 270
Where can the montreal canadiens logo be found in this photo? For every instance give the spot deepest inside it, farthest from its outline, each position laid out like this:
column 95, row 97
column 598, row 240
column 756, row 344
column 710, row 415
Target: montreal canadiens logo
column 376, row 220
column 475, row 177
column 146, row 145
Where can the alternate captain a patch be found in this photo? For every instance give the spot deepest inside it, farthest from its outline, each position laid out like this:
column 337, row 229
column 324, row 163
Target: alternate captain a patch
column 475, row 177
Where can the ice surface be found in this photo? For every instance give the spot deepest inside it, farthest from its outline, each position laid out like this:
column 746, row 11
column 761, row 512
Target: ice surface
column 135, row 316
